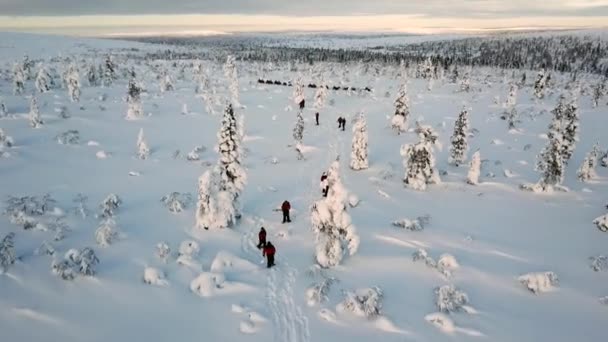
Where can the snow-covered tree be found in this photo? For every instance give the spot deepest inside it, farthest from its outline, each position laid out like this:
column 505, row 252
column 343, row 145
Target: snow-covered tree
column 135, row 108
column 512, row 97
column 166, row 82
column 587, row 170
column 231, row 74
column 419, row 164
column 110, row 206
column 428, row 134
column 539, row 84
column 450, row 299
column 35, row 119
column 358, row 156
column 143, row 151
column 331, row 224
column 92, row 76
column 604, row 160
column 73, row 82
column 7, row 252
column 426, row 69
column 109, row 71
column 602, row 223
column 176, row 202
column 399, row 121
column 206, row 207
column 459, row 144
column 363, row 302
column 3, row 110
column 106, row 233
column 298, row 129
column 551, row 164
column 5, row 141
column 571, row 129
column 232, row 174
column 18, row 79
column 298, row 90
column 43, row 80
column 320, row 96
column 512, row 116
column 465, row 82
column 474, row 169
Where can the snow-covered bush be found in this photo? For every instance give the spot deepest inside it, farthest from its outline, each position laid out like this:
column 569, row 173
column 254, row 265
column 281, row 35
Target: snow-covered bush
column 194, row 155
column 73, row 82
column 320, row 96
column 206, row 207
column 539, row 282
column 474, row 169
column 135, row 108
column 206, row 284
column 362, row 302
column 43, row 80
column 422, row 255
column 586, row 171
column 331, row 224
column 92, row 76
column 80, row 208
column 359, row 154
column 7, row 252
column 163, row 251
column 459, row 145
column 108, row 71
column 416, row 224
column 3, row 110
column 154, row 276
column 419, row 164
column 5, row 140
column 317, row 293
column 63, row 269
column 188, row 248
column 399, row 122
column 110, row 205
column 70, row 137
column 602, row 223
column 18, row 79
column 176, row 202
column 143, row 151
column 446, row 264
column 442, row 321
column 450, row 299
column 166, row 82
column 76, row 262
column 298, row 129
column 34, row 116
column 106, row 233
column 45, row 249
column 599, row 263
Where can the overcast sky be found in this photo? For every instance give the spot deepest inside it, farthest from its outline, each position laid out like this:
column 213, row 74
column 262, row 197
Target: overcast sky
column 24, row 14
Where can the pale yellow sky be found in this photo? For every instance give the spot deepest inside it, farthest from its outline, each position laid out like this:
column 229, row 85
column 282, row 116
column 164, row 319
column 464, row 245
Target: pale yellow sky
column 112, row 24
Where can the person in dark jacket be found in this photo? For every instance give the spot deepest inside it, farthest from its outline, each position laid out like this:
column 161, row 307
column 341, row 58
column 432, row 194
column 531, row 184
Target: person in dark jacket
column 262, row 238
column 317, row 118
column 268, row 252
column 324, row 184
column 285, row 208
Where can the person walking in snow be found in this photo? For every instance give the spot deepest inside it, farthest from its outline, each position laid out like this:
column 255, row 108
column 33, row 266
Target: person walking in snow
column 317, row 118
column 262, row 238
column 268, row 252
column 285, row 208
column 324, row 184
column 342, row 123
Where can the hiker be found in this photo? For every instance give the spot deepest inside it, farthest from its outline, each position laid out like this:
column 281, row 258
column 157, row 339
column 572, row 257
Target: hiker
column 324, row 184
column 317, row 118
column 302, row 103
column 339, row 122
column 262, row 238
column 268, row 252
column 285, row 208
column 343, row 124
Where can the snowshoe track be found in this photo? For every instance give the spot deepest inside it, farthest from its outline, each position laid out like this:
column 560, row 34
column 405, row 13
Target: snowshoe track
column 290, row 324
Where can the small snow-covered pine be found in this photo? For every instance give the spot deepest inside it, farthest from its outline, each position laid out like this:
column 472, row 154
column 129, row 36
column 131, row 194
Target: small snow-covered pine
column 587, row 170
column 18, row 79
column 7, row 252
column 135, row 109
column 3, row 110
column 298, row 129
column 106, row 233
column 419, row 164
column 5, row 140
column 539, row 84
column 428, row 134
column 320, row 96
column 602, row 223
column 331, row 223
column 551, row 165
column 143, row 151
column 399, row 122
column 474, row 169
column 35, row 119
column 73, row 82
column 109, row 71
column 359, row 154
column 512, row 97
column 230, row 72
column 206, row 207
column 459, row 145
column 92, row 76
column 232, row 174
column 166, row 82
column 298, row 91
column 43, row 80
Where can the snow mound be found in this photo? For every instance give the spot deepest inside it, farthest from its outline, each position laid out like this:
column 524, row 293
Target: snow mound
column 442, row 322
column 539, row 282
column 328, row 316
column 602, row 223
column 599, row 263
column 154, row 276
column 189, row 248
column 226, row 262
column 353, row 200
column 102, row 154
column 247, row 327
column 447, row 262
column 385, row 324
column 416, row 224
column 449, row 299
column 207, row 284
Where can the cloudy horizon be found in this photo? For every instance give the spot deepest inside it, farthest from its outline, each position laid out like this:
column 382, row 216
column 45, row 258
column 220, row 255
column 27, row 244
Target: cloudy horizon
column 89, row 17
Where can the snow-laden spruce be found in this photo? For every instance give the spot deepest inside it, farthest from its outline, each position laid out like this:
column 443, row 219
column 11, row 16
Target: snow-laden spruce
column 206, row 207
column 76, row 262
column 320, row 96
column 298, row 129
column 106, row 233
column 512, row 96
column 43, row 80
column 92, row 76
column 18, row 79
column 602, row 223
column 3, row 110
column 298, row 90
column 230, row 72
column 539, row 282
column 586, row 171
column 399, row 122
column 73, row 83
column 34, row 116
column 458, row 140
column 331, row 224
column 428, row 134
column 5, row 141
column 362, row 302
column 539, row 84
column 359, row 154
column 450, row 299
column 474, row 169
column 318, row 292
column 108, row 72
column 570, row 125
column 176, row 202
column 109, row 206
column 419, row 164
column 7, row 252
column 143, row 151
column 135, row 108
column 166, row 82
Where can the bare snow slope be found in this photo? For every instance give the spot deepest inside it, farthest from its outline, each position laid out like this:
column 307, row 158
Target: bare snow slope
column 495, row 231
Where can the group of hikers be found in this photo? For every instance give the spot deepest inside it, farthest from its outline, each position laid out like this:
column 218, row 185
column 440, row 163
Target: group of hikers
column 268, row 249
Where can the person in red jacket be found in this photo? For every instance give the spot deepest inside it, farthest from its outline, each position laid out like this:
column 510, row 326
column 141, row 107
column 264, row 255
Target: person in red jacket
column 268, row 252
column 285, row 208
column 262, row 238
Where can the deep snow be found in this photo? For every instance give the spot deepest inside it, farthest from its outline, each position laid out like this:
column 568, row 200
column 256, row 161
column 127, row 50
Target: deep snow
column 494, row 231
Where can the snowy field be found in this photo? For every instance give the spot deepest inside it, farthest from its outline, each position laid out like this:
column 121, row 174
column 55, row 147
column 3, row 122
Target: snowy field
column 211, row 286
